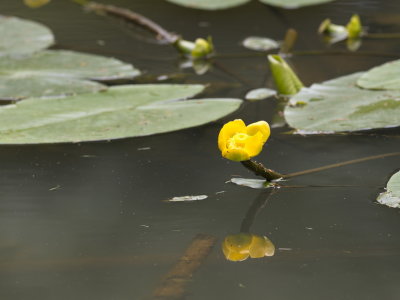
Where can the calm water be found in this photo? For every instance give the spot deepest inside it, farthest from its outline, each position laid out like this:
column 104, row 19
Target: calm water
column 88, row 221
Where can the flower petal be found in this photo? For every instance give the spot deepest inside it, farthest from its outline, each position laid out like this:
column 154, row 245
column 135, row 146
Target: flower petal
column 228, row 130
column 236, row 154
column 254, row 145
column 260, row 126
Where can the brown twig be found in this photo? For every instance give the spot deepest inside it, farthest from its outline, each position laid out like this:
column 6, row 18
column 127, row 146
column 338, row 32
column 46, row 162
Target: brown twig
column 133, row 17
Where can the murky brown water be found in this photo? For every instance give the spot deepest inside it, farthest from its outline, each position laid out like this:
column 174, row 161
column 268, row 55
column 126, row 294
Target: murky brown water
column 87, row 221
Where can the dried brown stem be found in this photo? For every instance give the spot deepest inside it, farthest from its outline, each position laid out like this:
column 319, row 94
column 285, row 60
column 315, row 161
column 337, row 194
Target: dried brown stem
column 134, row 17
column 260, row 170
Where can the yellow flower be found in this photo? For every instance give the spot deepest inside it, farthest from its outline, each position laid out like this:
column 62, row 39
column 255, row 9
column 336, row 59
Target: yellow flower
column 239, row 247
column 239, row 142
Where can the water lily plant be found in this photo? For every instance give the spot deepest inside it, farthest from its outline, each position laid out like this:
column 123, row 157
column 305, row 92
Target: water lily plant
column 239, row 142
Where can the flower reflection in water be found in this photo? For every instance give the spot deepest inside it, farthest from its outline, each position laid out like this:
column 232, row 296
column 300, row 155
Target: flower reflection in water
column 239, row 247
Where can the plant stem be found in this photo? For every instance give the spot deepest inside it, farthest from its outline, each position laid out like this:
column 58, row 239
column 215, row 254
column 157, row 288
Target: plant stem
column 260, row 170
column 134, row 17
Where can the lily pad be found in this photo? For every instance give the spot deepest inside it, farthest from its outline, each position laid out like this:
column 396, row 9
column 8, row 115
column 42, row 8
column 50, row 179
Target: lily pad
column 260, row 94
column 294, row 3
column 22, row 37
column 15, row 88
column 383, row 77
column 339, row 105
column 120, row 112
column 209, row 4
column 62, row 63
column 260, row 43
column 391, row 197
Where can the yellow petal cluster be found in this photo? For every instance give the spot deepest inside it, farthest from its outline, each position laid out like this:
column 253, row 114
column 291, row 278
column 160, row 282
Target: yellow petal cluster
column 239, row 247
column 239, row 142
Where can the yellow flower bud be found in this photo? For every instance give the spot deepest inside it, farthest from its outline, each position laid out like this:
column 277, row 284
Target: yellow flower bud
column 354, row 28
column 35, row 3
column 239, row 142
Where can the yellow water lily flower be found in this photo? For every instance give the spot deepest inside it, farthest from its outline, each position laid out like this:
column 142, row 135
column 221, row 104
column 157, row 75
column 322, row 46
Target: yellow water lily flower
column 239, row 247
column 239, row 142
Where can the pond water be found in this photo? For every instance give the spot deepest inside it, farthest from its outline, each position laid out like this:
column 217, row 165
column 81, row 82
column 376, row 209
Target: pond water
column 88, row 220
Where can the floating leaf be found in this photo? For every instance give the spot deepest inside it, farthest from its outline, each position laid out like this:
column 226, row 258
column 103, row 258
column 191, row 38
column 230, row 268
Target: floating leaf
column 209, row 4
column 383, row 77
column 260, row 94
column 252, row 183
column 61, row 63
column 14, row 88
column 21, row 37
column 294, row 3
column 119, row 112
column 339, row 105
column 391, row 197
column 187, row 198
column 260, row 43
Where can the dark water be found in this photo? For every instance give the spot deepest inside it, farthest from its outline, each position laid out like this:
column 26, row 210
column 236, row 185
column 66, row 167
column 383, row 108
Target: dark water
column 87, row 221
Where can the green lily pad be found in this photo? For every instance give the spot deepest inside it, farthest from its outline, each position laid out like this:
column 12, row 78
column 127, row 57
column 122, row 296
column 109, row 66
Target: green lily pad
column 21, row 37
column 61, row 63
column 294, row 3
column 391, row 197
column 339, row 105
column 15, row 88
column 209, row 4
column 260, row 94
column 120, row 112
column 383, row 77
column 260, row 43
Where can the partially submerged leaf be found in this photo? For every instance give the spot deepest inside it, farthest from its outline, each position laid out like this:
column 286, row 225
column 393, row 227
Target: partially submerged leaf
column 260, row 94
column 260, row 43
column 62, row 63
column 119, row 112
column 294, row 3
column 187, row 198
column 21, row 37
column 339, row 105
column 15, row 88
column 286, row 80
column 209, row 4
column 383, row 77
column 391, row 197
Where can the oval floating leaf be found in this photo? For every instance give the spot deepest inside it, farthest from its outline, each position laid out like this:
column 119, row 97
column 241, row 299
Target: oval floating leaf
column 61, row 63
column 21, row 37
column 391, row 197
column 209, row 4
column 383, row 77
column 15, row 88
column 119, row 112
column 260, row 94
column 339, row 105
column 294, row 3
column 260, row 43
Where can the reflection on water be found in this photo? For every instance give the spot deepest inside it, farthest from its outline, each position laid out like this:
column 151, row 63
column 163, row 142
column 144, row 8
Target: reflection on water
column 241, row 246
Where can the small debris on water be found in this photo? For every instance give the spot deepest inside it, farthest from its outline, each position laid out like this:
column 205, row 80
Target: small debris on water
column 146, row 226
column 57, row 187
column 143, row 148
column 285, row 249
column 187, row 198
column 220, row 192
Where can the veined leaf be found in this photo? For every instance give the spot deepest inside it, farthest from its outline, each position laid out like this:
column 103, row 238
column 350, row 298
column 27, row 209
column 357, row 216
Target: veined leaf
column 119, row 112
column 62, row 63
column 339, row 105
column 383, row 77
column 22, row 37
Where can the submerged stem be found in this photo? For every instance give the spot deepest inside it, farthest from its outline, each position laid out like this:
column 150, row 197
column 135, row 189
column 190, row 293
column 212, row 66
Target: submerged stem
column 260, row 170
